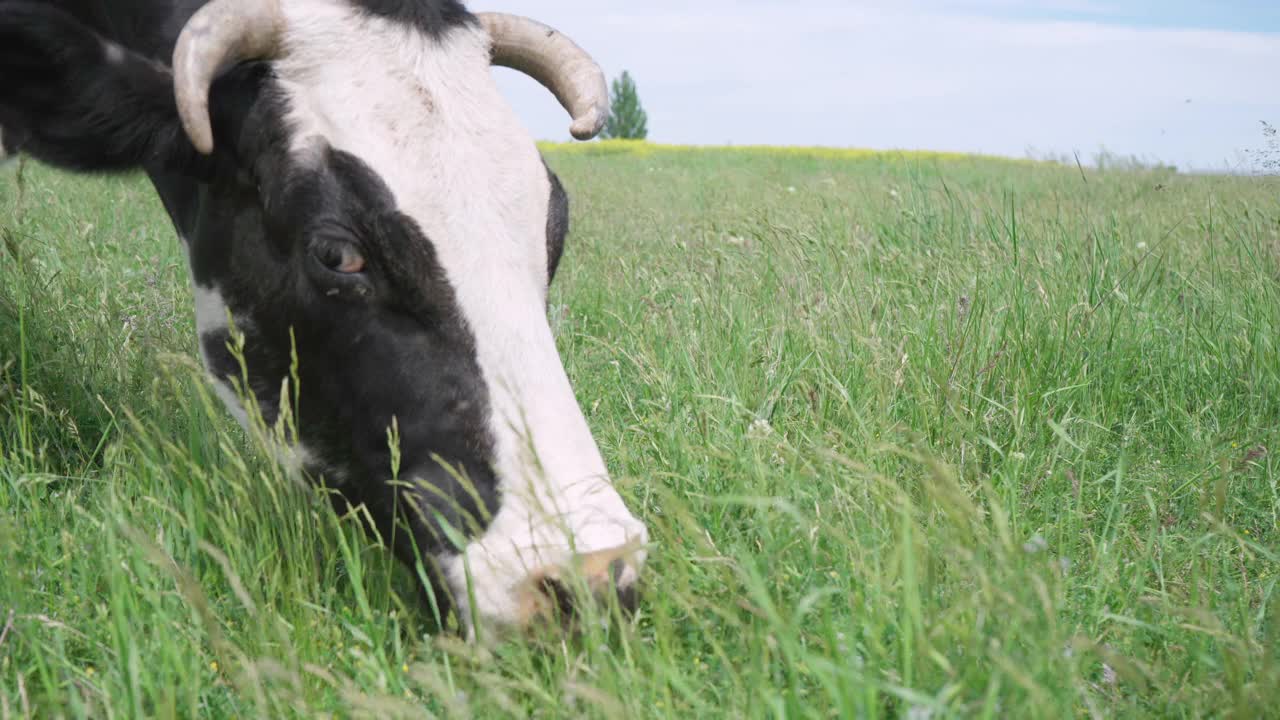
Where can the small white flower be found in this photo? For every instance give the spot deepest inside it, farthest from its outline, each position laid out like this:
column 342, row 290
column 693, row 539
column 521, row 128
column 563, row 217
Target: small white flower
column 918, row 712
column 1036, row 544
column 1142, row 246
column 842, row 645
column 760, row 428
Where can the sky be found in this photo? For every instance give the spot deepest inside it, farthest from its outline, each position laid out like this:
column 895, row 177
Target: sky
column 1186, row 82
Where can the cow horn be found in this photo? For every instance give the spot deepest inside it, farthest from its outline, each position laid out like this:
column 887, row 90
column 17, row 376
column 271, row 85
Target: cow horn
column 555, row 61
column 220, row 34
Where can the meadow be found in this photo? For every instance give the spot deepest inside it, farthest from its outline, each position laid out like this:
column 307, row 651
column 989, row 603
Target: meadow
column 918, row 436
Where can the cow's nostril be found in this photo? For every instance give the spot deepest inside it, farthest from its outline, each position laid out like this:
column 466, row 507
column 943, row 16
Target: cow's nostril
column 625, row 586
column 598, row 578
column 561, row 602
column 560, row 598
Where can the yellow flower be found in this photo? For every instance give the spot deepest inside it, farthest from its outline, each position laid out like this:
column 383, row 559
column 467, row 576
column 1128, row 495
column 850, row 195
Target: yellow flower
column 214, row 666
column 89, row 671
column 405, row 667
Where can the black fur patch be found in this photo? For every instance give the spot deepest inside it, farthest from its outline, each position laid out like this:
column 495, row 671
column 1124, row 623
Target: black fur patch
column 72, row 105
column 389, row 346
column 10, row 142
column 430, row 16
column 557, row 225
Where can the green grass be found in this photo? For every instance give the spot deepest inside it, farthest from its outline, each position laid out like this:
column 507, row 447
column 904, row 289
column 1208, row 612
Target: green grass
column 916, row 436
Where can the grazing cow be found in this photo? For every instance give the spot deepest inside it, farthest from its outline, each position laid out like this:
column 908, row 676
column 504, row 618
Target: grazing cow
column 350, row 186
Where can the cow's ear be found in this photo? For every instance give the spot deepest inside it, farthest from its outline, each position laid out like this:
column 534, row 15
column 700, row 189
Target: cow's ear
column 76, row 100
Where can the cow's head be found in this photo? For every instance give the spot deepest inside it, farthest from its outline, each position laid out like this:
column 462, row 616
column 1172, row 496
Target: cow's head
column 355, row 193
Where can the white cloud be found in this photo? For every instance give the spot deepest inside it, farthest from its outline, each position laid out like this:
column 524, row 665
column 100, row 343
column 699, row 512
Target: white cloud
column 882, row 74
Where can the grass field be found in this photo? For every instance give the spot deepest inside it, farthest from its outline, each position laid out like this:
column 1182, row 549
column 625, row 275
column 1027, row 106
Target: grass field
column 917, row 436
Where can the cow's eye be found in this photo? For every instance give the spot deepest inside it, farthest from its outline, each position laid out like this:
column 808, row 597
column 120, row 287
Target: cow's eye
column 339, row 256
column 336, row 265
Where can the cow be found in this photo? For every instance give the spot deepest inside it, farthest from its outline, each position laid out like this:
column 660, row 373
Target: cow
column 371, row 235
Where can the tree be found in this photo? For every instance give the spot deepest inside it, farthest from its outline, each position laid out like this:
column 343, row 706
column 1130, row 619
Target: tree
column 627, row 119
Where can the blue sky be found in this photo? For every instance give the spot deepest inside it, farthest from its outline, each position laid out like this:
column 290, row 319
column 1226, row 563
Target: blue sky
column 1184, row 81
column 1238, row 15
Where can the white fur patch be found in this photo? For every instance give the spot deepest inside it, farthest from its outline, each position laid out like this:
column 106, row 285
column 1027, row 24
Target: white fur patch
column 211, row 309
column 211, row 317
column 427, row 116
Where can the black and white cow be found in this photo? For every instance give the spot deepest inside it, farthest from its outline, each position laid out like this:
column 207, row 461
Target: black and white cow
column 348, row 182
